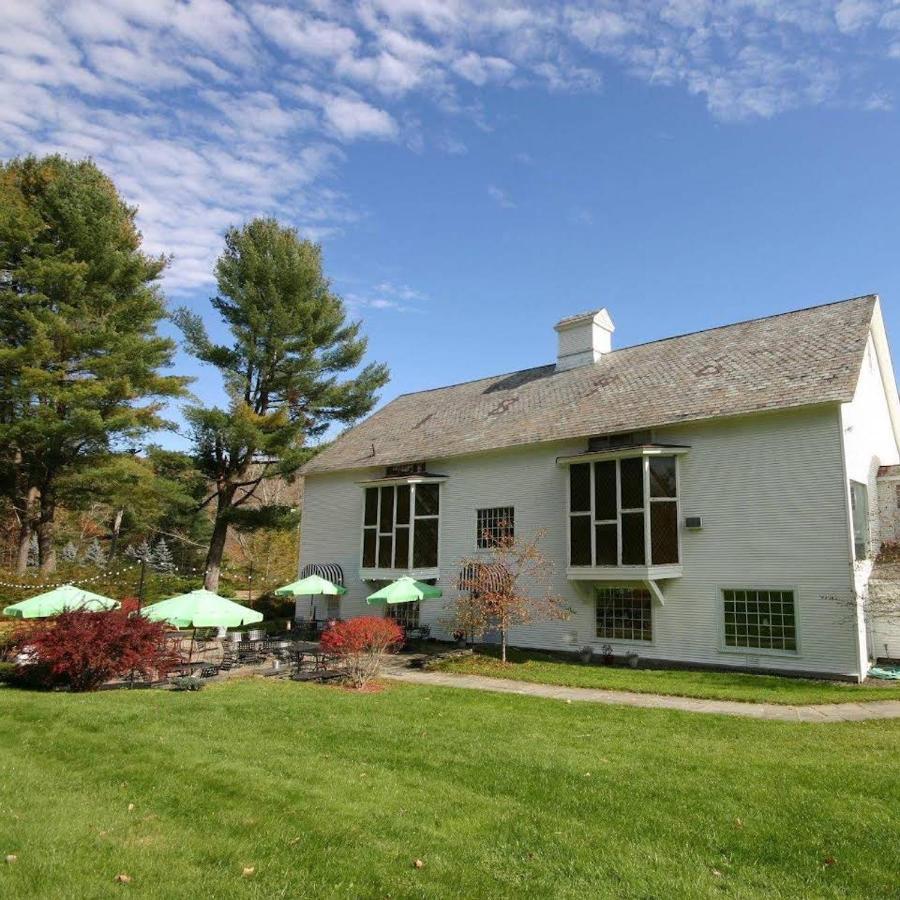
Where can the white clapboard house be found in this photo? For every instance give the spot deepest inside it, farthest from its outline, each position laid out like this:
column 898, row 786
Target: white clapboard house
column 709, row 499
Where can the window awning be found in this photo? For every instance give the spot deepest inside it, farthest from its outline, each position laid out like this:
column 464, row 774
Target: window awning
column 620, row 452
column 492, row 576
column 330, row 571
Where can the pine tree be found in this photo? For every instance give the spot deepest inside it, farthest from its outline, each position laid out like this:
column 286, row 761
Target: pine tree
column 69, row 553
column 79, row 308
column 162, row 559
column 95, row 554
column 290, row 342
column 140, row 552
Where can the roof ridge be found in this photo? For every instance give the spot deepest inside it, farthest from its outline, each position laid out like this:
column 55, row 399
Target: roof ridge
column 672, row 337
column 788, row 312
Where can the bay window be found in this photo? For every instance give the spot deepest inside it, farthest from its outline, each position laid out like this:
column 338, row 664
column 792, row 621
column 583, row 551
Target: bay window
column 400, row 526
column 624, row 511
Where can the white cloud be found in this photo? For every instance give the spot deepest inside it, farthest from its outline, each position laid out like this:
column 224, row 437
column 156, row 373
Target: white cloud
column 207, row 112
column 481, row 69
column 303, row 35
column 387, row 295
column 352, row 118
column 851, row 15
column 500, row 197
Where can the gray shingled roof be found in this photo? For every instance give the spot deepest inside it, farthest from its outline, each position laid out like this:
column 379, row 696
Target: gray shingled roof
column 793, row 359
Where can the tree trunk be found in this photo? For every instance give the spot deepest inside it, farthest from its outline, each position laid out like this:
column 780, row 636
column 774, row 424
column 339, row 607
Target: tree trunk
column 27, row 523
column 116, row 529
column 45, row 533
column 217, row 543
column 502, row 644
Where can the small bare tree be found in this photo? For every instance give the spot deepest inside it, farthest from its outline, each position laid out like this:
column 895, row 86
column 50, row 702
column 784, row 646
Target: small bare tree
column 511, row 584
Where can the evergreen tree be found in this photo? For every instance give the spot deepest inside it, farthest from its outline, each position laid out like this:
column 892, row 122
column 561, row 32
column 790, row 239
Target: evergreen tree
column 69, row 553
column 79, row 350
column 140, row 552
column 95, row 554
column 290, row 340
column 162, row 559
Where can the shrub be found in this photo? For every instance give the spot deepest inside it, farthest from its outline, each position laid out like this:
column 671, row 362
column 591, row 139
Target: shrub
column 361, row 645
column 187, row 683
column 82, row 650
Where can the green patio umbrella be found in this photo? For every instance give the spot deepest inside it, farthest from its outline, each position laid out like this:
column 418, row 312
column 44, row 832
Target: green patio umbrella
column 201, row 609
column 60, row 599
column 405, row 590
column 313, row 585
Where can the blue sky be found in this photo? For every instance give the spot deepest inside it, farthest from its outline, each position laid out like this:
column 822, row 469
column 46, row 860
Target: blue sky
column 476, row 171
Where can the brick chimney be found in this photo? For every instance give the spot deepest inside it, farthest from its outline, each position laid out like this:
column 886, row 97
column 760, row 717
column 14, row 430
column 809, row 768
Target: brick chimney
column 583, row 339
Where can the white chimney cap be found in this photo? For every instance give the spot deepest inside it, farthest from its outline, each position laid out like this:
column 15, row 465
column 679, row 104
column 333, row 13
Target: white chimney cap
column 583, row 339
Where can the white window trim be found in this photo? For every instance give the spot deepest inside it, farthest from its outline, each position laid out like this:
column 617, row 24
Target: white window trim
column 368, row 573
column 640, row 571
column 758, row 651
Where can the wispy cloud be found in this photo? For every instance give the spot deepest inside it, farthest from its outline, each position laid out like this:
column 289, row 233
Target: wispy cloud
column 207, row 112
column 500, row 197
column 581, row 217
column 387, row 296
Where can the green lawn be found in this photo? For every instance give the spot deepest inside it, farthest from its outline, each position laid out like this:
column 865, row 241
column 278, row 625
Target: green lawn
column 327, row 793
column 544, row 669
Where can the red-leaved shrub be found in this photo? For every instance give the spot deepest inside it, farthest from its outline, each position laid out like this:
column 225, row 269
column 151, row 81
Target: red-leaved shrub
column 361, row 645
column 82, row 650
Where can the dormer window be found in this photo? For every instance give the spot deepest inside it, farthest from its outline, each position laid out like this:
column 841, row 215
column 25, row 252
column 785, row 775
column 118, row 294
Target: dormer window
column 623, row 511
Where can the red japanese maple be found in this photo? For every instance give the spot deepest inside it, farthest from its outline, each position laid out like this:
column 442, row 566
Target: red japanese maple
column 82, row 650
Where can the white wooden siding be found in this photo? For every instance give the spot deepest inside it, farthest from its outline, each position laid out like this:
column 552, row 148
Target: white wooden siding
column 869, row 443
column 771, row 491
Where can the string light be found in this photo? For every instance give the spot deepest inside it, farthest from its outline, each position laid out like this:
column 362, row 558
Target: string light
column 114, row 573
column 110, row 573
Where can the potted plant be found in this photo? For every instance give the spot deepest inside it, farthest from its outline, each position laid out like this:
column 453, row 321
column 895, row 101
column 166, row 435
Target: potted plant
column 586, row 653
column 606, row 651
column 633, row 660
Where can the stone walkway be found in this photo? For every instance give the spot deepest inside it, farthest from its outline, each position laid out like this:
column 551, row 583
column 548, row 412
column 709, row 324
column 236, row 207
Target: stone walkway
column 826, row 712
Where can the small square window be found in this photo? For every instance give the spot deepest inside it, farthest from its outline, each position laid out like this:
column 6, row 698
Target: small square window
column 494, row 525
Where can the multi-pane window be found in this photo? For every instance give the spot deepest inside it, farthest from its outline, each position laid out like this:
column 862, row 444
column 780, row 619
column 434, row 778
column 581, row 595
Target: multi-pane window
column 616, row 504
column 624, row 614
column 406, row 615
column 494, row 525
column 859, row 508
column 400, row 526
column 763, row 620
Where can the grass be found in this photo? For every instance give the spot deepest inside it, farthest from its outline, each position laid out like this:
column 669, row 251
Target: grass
column 542, row 668
column 328, row 793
